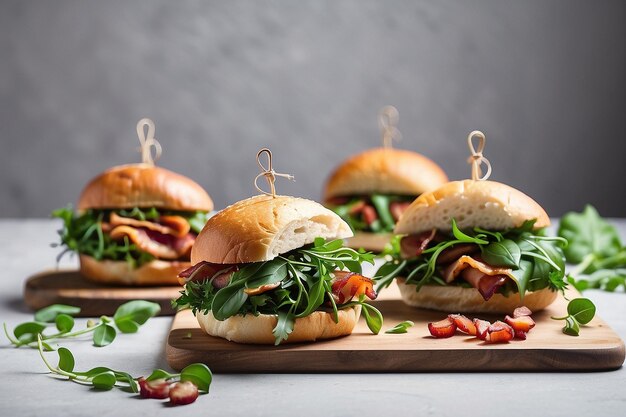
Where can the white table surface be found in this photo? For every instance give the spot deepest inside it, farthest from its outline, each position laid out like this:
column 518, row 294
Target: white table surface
column 28, row 389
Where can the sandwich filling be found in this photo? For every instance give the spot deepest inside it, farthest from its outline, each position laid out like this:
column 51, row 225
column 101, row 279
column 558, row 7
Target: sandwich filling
column 136, row 236
column 376, row 213
column 323, row 276
column 510, row 261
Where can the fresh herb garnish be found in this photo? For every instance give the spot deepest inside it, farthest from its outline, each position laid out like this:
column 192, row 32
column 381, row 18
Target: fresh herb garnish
column 82, row 233
column 127, row 318
column 596, row 248
column 400, row 327
column 579, row 311
column 303, row 279
column 104, row 378
column 535, row 261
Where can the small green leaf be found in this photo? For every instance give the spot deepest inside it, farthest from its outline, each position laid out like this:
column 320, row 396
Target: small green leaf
column 104, row 335
column 127, row 378
column 66, row 360
column 104, row 381
column 29, row 330
column 374, row 320
column 64, row 322
column 505, row 253
column 400, row 327
column 284, row 327
column 582, row 309
column 199, row 374
column 94, row 371
column 571, row 326
column 466, row 238
column 49, row 314
column 159, row 374
column 228, row 301
column 129, row 316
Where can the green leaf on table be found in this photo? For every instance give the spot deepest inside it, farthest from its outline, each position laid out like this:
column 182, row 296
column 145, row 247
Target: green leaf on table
column 104, row 381
column 373, row 318
column 159, row 374
column 505, row 253
column 28, row 331
column 64, row 322
column 94, row 371
column 199, row 374
column 129, row 316
column 400, row 327
column 104, row 335
column 582, row 309
column 66, row 360
column 572, row 328
column 50, row 313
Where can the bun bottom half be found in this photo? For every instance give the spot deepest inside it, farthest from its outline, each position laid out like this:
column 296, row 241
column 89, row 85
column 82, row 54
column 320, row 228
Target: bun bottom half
column 374, row 242
column 156, row 272
column 258, row 329
column 453, row 299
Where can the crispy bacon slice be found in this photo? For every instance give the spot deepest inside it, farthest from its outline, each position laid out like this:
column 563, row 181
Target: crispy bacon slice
column 168, row 225
column 486, row 285
column 347, row 284
column 455, row 252
column 204, row 270
column 155, row 243
column 414, row 245
column 454, row 269
column 397, row 208
column 369, row 214
column 261, row 289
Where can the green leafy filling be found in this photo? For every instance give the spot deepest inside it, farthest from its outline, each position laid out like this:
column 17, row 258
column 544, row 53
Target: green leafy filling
column 303, row 278
column 381, row 203
column 536, row 261
column 82, row 233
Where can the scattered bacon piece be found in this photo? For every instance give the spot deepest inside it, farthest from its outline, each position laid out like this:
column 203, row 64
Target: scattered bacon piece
column 369, row 214
column 520, row 335
column 414, row 245
column 463, row 323
column 442, row 329
column 482, row 327
column 521, row 323
column 183, row 393
column 522, row 311
column 158, row 389
column 397, row 208
column 348, row 284
column 499, row 332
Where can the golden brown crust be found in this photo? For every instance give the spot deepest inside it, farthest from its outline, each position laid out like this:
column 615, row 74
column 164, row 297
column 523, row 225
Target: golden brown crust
column 156, row 272
column 260, row 228
column 142, row 185
column 258, row 329
column 385, row 170
column 455, row 299
column 487, row 204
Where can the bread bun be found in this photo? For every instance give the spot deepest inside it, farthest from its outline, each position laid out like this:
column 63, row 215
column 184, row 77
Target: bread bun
column 143, row 185
column 486, row 204
column 374, row 242
column 260, row 228
column 455, row 299
column 258, row 329
column 156, row 272
column 385, row 170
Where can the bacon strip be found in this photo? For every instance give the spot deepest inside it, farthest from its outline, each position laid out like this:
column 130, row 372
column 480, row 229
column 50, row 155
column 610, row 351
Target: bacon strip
column 397, row 208
column 414, row 245
column 347, row 285
column 486, row 285
column 157, row 244
column 454, row 269
column 169, row 225
column 220, row 273
column 455, row 252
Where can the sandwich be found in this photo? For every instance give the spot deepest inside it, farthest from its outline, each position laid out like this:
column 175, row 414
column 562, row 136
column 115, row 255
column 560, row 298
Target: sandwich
column 475, row 246
column 135, row 225
column 273, row 269
column 371, row 190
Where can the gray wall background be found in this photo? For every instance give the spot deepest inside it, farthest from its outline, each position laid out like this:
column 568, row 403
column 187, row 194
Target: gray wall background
column 545, row 80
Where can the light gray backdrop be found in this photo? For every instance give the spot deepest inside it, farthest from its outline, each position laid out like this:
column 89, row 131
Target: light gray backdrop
column 545, row 80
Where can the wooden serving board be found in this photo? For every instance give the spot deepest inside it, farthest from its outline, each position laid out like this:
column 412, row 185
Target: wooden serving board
column 597, row 348
column 70, row 287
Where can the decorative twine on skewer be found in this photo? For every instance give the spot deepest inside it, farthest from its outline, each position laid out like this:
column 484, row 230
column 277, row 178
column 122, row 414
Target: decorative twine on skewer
column 387, row 121
column 269, row 173
column 476, row 158
column 148, row 141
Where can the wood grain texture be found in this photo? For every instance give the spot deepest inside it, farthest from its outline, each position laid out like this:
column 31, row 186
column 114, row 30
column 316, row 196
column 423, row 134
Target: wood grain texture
column 69, row 287
column 547, row 349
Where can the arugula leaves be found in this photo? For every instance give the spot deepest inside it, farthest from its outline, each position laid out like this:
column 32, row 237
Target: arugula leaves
column 82, row 233
column 304, row 278
column 381, row 203
column 596, row 247
column 535, row 261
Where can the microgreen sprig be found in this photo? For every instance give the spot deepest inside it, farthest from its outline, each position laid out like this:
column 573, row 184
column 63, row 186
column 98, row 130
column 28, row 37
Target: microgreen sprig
column 579, row 311
column 127, row 319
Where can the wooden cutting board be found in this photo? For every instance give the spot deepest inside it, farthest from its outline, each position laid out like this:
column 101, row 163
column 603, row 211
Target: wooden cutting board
column 70, row 287
column 597, row 348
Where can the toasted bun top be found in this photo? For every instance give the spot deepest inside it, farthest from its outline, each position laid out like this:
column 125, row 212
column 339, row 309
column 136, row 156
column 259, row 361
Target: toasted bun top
column 260, row 228
column 143, row 185
column 385, row 170
column 486, row 204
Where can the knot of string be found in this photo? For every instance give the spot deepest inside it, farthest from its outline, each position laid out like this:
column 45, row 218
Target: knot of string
column 476, row 158
column 387, row 121
column 147, row 141
column 269, row 173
